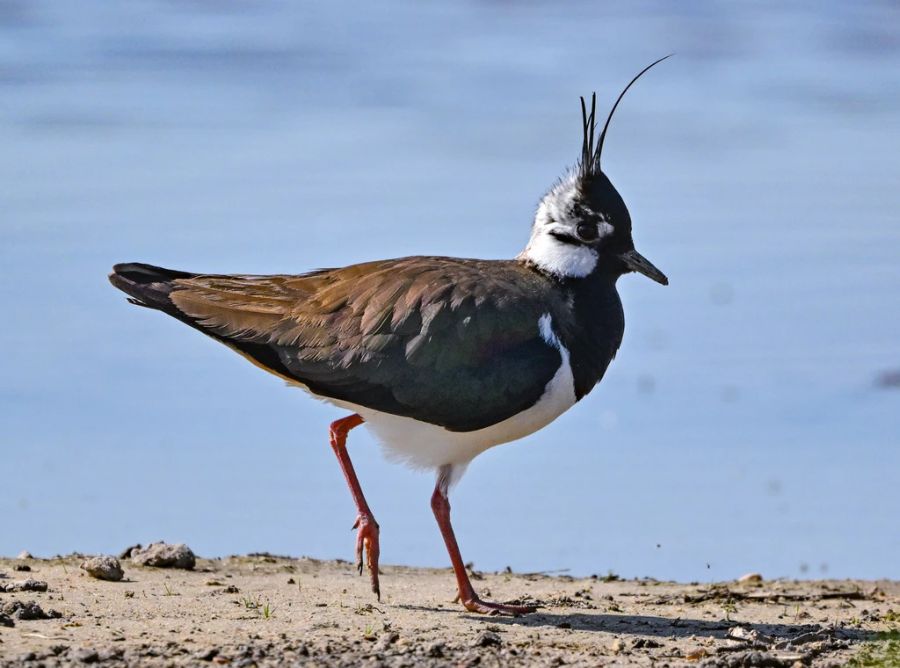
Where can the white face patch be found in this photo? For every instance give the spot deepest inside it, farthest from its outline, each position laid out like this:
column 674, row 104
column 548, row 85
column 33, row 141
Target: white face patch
column 561, row 259
column 557, row 213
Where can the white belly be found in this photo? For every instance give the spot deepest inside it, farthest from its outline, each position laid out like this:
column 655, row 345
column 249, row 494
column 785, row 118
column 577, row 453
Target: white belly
column 424, row 445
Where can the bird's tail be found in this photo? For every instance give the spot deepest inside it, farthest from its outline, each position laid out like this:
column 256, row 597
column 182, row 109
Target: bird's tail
column 145, row 284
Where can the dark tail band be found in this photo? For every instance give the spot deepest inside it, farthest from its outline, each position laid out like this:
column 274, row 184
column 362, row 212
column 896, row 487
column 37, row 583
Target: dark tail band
column 145, row 284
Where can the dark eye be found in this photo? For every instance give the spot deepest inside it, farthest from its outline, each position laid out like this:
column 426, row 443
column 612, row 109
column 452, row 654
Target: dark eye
column 587, row 231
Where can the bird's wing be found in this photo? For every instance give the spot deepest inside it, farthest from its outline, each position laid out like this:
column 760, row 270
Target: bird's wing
column 447, row 341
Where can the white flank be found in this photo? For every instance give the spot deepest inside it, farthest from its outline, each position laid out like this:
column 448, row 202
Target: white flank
column 423, row 445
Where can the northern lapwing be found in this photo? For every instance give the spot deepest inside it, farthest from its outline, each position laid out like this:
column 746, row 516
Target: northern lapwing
column 441, row 357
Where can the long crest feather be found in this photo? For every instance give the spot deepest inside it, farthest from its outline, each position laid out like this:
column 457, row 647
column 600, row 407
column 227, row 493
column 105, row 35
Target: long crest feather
column 588, row 123
column 590, row 154
column 599, row 150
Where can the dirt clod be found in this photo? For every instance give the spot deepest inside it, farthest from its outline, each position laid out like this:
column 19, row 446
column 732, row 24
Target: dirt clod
column 487, row 639
column 85, row 655
column 164, row 555
column 436, row 650
column 23, row 585
column 103, row 568
column 27, row 610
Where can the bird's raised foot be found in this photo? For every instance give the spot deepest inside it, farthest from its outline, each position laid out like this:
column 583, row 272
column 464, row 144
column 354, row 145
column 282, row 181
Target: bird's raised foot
column 367, row 544
column 475, row 604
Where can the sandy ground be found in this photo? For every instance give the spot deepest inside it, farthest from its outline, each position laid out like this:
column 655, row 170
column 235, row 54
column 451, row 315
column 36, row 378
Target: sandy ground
column 264, row 610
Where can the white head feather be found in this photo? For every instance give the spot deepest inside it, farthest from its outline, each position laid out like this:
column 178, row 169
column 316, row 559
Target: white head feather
column 558, row 213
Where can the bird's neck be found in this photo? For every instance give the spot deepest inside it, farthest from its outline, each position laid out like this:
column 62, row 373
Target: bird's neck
column 597, row 325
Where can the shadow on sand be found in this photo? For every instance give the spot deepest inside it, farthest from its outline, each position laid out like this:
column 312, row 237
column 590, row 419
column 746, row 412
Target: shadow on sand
column 648, row 625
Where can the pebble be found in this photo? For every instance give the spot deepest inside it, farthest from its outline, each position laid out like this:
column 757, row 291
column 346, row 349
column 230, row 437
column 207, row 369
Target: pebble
column 435, row 650
column 487, row 639
column 750, row 577
column 23, row 585
column 103, row 568
column 28, row 610
column 164, row 555
column 85, row 655
column 25, row 554
column 645, row 643
column 207, row 654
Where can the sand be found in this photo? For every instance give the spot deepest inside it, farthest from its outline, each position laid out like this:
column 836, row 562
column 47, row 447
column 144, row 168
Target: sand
column 264, row 610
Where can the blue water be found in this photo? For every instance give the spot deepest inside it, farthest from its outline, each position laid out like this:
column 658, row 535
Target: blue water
column 741, row 427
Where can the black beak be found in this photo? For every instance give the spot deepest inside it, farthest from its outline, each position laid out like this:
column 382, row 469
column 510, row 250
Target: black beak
column 637, row 262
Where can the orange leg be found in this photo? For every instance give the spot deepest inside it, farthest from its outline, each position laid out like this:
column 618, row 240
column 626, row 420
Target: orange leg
column 440, row 504
column 367, row 534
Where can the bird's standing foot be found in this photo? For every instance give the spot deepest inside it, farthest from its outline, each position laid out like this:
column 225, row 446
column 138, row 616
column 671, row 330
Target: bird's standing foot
column 475, row 604
column 441, row 507
column 367, row 544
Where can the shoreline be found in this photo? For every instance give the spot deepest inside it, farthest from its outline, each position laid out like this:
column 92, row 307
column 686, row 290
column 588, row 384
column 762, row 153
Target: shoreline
column 267, row 610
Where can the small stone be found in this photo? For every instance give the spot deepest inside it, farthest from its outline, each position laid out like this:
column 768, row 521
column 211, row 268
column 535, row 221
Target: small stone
column 110, row 655
column 435, row 650
column 487, row 639
column 23, row 585
column 6, row 621
column 28, row 656
column 25, row 554
column 22, row 567
column 24, row 611
column 164, row 555
column 617, row 646
column 207, row 655
column 645, row 643
column 103, row 568
column 85, row 655
column 750, row 578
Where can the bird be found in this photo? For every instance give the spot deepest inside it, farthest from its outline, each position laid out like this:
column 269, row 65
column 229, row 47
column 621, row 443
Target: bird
column 441, row 358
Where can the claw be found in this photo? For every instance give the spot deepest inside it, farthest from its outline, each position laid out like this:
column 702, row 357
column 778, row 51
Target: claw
column 475, row 604
column 367, row 546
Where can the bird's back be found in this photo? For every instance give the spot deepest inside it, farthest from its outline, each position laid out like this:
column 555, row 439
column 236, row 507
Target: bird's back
column 451, row 342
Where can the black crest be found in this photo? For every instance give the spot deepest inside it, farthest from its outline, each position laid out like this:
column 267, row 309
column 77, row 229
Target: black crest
column 589, row 164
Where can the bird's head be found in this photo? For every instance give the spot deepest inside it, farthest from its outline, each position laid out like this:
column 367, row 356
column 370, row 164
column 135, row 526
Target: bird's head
column 582, row 225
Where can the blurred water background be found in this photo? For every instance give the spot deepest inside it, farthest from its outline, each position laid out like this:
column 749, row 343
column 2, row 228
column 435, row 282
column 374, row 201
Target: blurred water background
column 742, row 427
